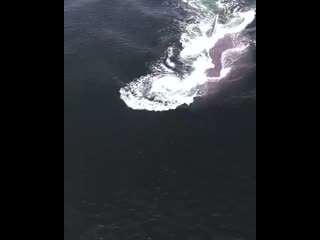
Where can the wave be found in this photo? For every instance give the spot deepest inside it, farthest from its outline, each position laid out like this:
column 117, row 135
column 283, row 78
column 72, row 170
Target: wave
column 71, row 5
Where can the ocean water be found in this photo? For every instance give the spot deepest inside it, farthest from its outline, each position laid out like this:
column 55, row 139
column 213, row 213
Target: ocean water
column 155, row 149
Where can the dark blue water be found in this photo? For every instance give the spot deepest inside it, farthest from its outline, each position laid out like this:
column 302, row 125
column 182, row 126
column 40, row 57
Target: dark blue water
column 182, row 174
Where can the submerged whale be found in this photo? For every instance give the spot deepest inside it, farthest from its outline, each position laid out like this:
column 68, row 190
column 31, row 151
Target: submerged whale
column 215, row 53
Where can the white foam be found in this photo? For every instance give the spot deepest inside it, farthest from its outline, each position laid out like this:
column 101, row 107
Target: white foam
column 168, row 60
column 163, row 89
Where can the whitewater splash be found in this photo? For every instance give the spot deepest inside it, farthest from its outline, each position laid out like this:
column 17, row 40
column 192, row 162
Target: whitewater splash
column 165, row 88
